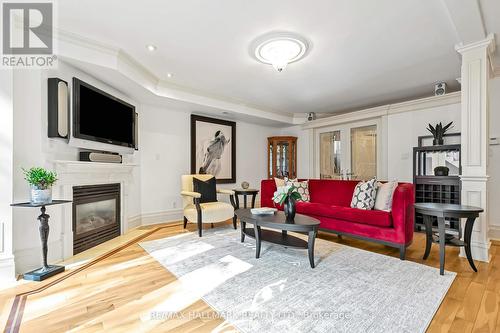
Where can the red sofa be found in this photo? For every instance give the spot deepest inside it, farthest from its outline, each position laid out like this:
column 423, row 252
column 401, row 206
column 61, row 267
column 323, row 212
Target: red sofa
column 330, row 204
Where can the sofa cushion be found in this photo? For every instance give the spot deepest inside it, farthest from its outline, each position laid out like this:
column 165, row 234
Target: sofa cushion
column 364, row 195
column 332, row 192
column 302, row 187
column 371, row 217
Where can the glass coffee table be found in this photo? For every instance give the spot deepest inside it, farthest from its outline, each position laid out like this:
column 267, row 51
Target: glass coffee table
column 276, row 231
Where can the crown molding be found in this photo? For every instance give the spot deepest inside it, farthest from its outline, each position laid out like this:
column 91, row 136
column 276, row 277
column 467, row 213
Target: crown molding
column 73, row 46
column 488, row 43
column 385, row 110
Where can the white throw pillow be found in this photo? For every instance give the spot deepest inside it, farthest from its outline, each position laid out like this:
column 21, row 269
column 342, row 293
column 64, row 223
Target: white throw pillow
column 364, row 195
column 302, row 188
column 385, row 192
column 282, row 181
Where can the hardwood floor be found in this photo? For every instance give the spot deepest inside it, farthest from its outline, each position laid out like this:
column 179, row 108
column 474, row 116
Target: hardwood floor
column 118, row 291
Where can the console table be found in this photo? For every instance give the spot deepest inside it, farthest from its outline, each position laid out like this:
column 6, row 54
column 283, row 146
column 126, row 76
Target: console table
column 46, row 270
column 442, row 211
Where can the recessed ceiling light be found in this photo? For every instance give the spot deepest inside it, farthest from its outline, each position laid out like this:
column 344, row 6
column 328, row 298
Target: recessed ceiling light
column 151, row 47
column 279, row 49
column 169, row 75
column 225, row 112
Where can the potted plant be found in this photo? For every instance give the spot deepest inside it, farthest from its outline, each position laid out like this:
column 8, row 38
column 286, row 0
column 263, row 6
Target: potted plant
column 438, row 132
column 41, row 182
column 287, row 195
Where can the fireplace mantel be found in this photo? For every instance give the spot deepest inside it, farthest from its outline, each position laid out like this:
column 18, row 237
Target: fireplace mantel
column 76, row 173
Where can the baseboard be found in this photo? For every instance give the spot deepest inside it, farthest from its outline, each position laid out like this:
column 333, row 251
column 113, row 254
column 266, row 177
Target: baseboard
column 134, row 221
column 31, row 258
column 171, row 215
column 7, row 271
column 494, row 232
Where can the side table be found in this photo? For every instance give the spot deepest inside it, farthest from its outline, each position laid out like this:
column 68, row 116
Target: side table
column 442, row 211
column 46, row 270
column 245, row 193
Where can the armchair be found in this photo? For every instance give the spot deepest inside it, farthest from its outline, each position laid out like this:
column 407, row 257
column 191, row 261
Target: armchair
column 196, row 211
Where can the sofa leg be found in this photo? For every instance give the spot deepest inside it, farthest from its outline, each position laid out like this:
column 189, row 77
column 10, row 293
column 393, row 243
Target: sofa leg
column 402, row 252
column 339, row 236
column 235, row 218
column 185, row 222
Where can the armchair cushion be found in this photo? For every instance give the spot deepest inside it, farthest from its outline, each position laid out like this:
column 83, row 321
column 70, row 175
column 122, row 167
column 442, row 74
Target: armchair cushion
column 206, row 188
column 224, row 191
column 211, row 212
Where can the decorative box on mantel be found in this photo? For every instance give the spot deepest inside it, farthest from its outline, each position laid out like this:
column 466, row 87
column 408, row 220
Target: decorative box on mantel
column 77, row 173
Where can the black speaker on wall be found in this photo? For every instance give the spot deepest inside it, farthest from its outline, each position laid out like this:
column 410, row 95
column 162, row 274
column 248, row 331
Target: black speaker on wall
column 58, row 108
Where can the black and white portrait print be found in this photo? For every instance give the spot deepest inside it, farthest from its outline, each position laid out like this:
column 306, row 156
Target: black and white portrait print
column 213, row 148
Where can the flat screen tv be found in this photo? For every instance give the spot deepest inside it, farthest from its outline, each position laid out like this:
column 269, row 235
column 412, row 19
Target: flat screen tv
column 98, row 116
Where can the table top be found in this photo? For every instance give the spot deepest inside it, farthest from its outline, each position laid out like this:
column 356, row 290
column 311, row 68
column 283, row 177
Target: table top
column 447, row 208
column 245, row 191
column 277, row 220
column 29, row 204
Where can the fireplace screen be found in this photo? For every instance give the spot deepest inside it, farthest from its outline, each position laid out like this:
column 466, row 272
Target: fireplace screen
column 96, row 215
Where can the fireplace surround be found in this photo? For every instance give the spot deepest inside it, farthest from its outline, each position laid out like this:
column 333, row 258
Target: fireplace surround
column 96, row 215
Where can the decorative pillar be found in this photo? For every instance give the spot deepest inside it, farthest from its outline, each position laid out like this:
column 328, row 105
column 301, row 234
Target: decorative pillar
column 475, row 137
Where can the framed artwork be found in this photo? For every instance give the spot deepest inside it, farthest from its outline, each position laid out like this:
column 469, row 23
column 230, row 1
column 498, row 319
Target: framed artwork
column 213, row 148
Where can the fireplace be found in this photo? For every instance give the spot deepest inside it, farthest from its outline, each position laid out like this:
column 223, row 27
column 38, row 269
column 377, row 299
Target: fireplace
column 96, row 215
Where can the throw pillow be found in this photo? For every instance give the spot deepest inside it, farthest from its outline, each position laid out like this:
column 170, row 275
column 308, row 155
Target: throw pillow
column 383, row 201
column 364, row 194
column 282, row 181
column 302, row 188
column 207, row 189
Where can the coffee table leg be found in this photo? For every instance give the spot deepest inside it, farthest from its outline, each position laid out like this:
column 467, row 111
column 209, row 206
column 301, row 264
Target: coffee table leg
column 428, row 235
column 469, row 224
column 242, row 226
column 310, row 246
column 257, row 240
column 442, row 244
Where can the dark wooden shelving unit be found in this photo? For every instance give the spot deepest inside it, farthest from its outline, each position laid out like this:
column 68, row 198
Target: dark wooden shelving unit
column 436, row 189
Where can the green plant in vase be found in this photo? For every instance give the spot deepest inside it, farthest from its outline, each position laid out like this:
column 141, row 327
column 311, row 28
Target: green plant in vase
column 41, row 181
column 286, row 196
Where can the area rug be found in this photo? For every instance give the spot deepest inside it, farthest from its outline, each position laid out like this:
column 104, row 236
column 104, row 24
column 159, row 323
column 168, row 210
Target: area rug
column 350, row 290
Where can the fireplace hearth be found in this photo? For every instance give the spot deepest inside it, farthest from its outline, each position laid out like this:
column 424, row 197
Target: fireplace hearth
column 96, row 215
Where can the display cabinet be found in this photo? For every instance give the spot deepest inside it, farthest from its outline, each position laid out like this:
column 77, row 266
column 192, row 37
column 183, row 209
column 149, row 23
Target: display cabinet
column 282, row 156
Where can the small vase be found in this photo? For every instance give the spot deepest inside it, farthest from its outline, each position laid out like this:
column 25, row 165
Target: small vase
column 437, row 142
column 289, row 209
column 41, row 196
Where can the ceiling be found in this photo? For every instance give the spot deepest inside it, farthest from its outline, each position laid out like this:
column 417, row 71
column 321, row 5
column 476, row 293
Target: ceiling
column 363, row 53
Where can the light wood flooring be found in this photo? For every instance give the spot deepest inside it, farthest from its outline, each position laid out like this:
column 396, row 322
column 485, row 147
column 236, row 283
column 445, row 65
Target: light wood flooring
column 118, row 291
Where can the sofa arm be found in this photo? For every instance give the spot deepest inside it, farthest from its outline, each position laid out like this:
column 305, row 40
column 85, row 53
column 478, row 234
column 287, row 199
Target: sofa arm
column 195, row 195
column 267, row 189
column 403, row 212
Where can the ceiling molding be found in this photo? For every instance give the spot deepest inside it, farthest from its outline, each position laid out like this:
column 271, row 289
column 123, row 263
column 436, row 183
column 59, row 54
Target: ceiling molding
column 72, row 46
column 488, row 43
column 385, row 110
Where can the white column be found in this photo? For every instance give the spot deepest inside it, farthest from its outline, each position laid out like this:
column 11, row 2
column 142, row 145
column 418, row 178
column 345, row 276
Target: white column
column 475, row 137
column 7, row 265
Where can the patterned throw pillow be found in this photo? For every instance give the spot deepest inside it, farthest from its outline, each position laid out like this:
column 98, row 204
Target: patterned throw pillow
column 364, row 195
column 302, row 188
column 282, row 181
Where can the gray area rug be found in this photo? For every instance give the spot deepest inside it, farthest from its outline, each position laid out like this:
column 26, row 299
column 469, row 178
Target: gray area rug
column 350, row 290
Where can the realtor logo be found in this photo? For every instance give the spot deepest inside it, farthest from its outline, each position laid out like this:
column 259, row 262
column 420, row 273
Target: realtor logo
column 27, row 34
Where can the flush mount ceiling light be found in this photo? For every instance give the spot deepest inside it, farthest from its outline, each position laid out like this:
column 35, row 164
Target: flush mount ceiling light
column 279, row 49
column 151, row 47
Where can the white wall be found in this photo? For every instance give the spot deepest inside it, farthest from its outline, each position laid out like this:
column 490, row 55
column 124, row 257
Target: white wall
column 403, row 130
column 164, row 139
column 32, row 147
column 7, row 265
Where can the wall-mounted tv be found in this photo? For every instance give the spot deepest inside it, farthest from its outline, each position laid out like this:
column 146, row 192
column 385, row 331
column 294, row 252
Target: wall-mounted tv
column 98, row 116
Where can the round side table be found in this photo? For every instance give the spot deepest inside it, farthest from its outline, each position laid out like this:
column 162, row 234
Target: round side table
column 245, row 193
column 442, row 211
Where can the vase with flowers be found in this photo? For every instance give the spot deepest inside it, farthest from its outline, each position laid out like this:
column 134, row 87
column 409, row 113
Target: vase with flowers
column 287, row 196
